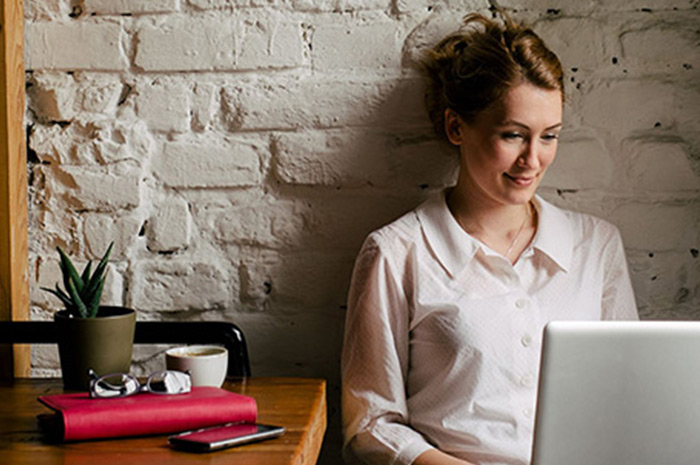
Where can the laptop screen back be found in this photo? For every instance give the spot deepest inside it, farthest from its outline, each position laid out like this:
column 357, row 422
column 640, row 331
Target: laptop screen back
column 619, row 393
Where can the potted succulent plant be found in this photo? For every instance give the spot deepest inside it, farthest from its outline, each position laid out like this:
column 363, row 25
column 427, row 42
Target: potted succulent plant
column 90, row 335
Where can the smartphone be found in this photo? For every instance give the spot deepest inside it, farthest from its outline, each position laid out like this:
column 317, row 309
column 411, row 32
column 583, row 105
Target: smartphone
column 223, row 436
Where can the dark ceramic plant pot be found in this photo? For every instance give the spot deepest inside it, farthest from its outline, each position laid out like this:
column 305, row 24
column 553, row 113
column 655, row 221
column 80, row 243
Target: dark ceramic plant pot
column 103, row 343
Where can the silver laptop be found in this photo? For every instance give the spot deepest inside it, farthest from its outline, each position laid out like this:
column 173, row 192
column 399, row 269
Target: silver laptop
column 619, row 393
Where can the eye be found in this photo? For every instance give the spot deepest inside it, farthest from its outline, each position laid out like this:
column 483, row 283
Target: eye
column 512, row 135
column 549, row 137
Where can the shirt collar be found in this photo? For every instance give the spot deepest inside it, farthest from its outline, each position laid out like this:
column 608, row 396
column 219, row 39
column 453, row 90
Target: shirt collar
column 554, row 235
column 454, row 248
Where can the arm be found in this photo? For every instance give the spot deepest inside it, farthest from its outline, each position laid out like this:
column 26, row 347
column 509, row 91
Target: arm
column 618, row 295
column 436, row 457
column 375, row 363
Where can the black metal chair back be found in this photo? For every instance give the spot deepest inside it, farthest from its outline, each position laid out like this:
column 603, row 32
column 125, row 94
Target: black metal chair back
column 150, row 332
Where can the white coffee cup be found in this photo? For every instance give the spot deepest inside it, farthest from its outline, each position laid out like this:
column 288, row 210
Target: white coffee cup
column 207, row 364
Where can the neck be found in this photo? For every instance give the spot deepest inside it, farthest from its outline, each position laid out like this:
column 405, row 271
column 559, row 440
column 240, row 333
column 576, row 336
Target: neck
column 507, row 229
column 483, row 217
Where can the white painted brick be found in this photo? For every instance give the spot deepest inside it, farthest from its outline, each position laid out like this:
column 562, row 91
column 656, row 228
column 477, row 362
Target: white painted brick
column 42, row 10
column 332, row 158
column 325, row 103
column 176, row 285
column 115, row 7
column 45, row 361
column 628, row 106
column 52, row 45
column 132, row 133
column 661, row 166
column 101, row 229
column 202, row 106
column 422, row 163
column 208, row 162
column 256, row 283
column 663, row 279
column 181, row 43
column 687, row 102
column 463, row 6
column 661, row 50
column 48, row 274
column 565, row 37
column 113, row 293
column 351, row 46
column 293, row 278
column 56, row 144
column 104, row 190
column 356, row 158
column 652, row 5
column 164, row 104
column 53, row 96
column 582, row 163
column 169, row 228
column 318, row 6
column 235, row 4
column 52, row 215
column 656, row 226
column 593, row 6
column 99, row 93
column 90, row 143
column 427, row 33
column 268, row 41
column 338, row 221
column 261, row 223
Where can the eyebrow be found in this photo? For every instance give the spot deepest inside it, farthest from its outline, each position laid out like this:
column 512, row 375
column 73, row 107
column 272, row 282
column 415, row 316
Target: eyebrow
column 525, row 126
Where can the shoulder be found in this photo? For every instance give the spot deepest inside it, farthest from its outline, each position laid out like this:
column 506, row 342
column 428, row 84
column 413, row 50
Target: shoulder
column 586, row 228
column 396, row 238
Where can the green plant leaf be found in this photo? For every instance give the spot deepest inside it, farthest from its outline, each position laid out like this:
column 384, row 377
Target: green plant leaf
column 69, row 271
column 60, row 294
column 77, row 301
column 85, row 277
column 97, row 277
column 95, row 303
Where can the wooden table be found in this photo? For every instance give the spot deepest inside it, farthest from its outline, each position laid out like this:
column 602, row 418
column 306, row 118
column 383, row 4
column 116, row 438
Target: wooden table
column 297, row 404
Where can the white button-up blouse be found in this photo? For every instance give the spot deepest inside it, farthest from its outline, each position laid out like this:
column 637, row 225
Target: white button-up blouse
column 443, row 335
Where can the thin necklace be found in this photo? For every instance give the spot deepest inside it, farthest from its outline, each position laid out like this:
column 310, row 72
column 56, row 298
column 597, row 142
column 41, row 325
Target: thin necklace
column 520, row 230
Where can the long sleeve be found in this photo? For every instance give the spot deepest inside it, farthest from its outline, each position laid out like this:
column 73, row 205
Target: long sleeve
column 618, row 295
column 375, row 363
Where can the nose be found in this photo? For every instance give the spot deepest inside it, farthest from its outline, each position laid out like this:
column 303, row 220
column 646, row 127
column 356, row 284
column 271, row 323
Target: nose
column 530, row 156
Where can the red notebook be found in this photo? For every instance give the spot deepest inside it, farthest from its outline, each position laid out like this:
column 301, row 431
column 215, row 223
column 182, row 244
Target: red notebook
column 79, row 417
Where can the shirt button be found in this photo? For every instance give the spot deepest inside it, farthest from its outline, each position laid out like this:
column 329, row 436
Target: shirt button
column 528, row 412
column 527, row 380
column 526, row 340
column 521, row 303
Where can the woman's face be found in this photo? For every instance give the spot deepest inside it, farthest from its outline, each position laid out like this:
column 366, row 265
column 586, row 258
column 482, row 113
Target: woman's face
column 506, row 149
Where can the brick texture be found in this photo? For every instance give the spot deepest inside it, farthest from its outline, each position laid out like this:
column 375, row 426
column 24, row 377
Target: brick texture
column 238, row 152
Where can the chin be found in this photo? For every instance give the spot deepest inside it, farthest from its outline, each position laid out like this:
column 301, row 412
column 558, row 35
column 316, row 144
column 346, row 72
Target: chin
column 520, row 198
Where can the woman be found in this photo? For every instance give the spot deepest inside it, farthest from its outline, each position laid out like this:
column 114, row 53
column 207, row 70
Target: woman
column 447, row 304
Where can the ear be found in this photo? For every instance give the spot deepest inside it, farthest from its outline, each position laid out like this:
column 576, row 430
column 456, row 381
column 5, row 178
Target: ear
column 453, row 127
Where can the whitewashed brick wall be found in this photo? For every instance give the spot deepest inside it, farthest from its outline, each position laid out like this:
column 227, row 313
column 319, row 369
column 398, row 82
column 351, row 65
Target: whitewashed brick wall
column 238, row 152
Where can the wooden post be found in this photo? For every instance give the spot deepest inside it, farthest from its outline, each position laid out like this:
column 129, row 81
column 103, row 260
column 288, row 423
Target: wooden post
column 14, row 274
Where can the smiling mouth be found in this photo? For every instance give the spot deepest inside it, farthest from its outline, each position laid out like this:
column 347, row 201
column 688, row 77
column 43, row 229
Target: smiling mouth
column 523, row 181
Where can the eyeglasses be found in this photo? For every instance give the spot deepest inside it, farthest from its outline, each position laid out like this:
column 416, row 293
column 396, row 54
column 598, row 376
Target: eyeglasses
column 167, row 382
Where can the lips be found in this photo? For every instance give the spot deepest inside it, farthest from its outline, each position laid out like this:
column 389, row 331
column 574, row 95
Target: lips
column 523, row 181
